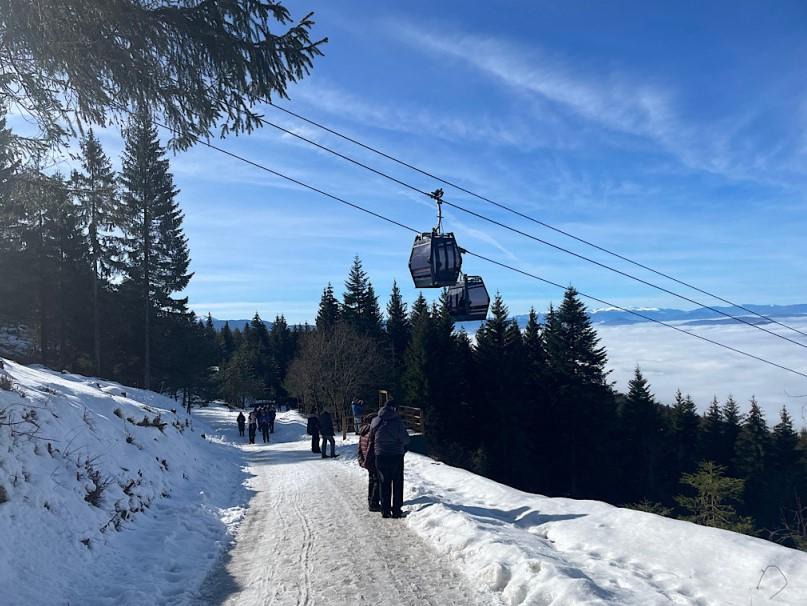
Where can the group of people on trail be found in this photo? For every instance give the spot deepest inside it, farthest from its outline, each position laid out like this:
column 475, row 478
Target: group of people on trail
column 261, row 418
column 382, row 445
column 322, row 425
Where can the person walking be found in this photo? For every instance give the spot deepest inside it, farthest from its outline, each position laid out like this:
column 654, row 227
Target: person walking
column 366, row 457
column 272, row 416
column 390, row 439
column 252, row 425
column 327, row 433
column 263, row 421
column 358, row 411
column 242, row 421
column 312, row 429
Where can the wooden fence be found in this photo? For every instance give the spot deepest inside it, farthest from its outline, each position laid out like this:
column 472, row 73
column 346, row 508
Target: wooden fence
column 412, row 418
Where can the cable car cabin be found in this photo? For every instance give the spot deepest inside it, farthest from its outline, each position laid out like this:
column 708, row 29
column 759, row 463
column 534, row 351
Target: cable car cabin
column 468, row 299
column 435, row 261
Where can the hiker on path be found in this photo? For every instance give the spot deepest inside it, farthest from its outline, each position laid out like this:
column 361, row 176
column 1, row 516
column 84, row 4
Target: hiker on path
column 366, row 456
column 263, row 423
column 358, row 410
column 241, row 420
column 326, row 431
column 312, row 429
column 253, row 426
column 390, row 439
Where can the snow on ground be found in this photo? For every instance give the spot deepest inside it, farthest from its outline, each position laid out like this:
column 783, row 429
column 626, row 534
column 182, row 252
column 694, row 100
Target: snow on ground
column 308, row 539
column 301, row 531
column 173, row 496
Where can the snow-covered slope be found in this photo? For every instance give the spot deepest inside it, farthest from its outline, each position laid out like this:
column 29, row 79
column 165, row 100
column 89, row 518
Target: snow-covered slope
column 538, row 550
column 110, row 496
column 176, row 499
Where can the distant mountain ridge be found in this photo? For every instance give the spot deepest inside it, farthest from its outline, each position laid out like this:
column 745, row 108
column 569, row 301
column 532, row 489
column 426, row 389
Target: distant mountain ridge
column 700, row 315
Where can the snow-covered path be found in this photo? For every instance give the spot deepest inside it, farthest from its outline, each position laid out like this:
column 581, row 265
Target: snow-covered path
column 308, row 539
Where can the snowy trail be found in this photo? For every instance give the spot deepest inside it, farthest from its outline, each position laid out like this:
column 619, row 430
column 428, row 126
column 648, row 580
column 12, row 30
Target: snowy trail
column 308, row 538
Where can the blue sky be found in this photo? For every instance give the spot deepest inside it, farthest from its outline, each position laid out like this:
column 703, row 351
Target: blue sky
column 673, row 133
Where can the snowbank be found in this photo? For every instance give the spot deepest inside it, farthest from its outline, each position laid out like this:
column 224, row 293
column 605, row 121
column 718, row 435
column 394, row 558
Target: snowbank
column 533, row 550
column 110, row 496
column 539, row 550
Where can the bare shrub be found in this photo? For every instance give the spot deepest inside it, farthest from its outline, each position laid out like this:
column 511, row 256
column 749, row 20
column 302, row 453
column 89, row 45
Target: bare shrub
column 3, row 494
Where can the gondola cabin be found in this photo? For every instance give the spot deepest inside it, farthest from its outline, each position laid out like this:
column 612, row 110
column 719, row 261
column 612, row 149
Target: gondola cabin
column 468, row 299
column 435, row 261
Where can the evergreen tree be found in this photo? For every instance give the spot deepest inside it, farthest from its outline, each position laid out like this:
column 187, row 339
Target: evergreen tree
column 96, row 194
column 685, row 423
column 398, row 331
column 642, row 432
column 359, row 307
column 328, row 314
column 711, row 435
column 732, row 425
column 499, row 357
column 282, row 344
column 751, row 454
column 712, row 505
column 226, row 344
column 155, row 247
column 582, row 402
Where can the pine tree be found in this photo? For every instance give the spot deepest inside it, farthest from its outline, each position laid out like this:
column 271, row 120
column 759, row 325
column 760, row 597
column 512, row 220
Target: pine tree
column 711, row 434
column 712, row 504
column 685, row 423
column 97, row 196
column 359, row 307
column 582, row 402
column 398, row 331
column 328, row 314
column 226, row 344
column 499, row 356
column 282, row 344
column 751, row 453
column 573, row 346
column 155, row 247
column 642, row 431
column 732, row 425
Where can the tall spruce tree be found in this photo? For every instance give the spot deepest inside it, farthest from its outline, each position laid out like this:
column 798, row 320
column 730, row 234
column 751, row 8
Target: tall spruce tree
column 711, row 434
column 359, row 307
column 732, row 425
column 685, row 424
column 642, row 432
column 97, row 197
column 328, row 314
column 398, row 332
column 751, row 461
column 582, row 401
column 155, row 247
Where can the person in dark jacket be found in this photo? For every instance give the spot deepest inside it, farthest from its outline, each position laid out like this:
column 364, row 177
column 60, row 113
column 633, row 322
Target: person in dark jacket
column 326, row 431
column 366, row 456
column 312, row 429
column 263, row 423
column 242, row 421
column 390, row 439
column 252, row 424
column 272, row 417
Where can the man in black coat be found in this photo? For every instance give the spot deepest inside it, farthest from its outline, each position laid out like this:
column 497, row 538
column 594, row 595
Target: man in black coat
column 312, row 429
column 242, row 421
column 327, row 433
column 390, row 439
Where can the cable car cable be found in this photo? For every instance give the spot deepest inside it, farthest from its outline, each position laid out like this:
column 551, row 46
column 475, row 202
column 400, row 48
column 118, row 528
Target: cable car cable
column 533, row 237
column 484, row 258
column 512, row 210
